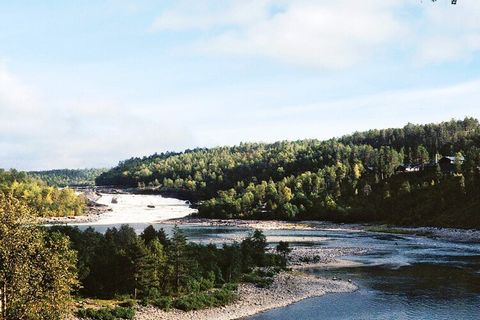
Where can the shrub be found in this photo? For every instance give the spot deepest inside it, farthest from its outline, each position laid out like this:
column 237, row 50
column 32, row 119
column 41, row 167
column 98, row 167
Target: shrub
column 107, row 313
column 202, row 300
column 164, row 303
column 260, row 279
column 231, row 286
column 128, row 303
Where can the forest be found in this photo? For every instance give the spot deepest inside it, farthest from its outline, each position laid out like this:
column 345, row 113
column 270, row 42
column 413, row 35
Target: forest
column 68, row 177
column 352, row 178
column 45, row 200
column 168, row 272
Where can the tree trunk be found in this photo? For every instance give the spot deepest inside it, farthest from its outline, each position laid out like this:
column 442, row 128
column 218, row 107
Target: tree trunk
column 3, row 301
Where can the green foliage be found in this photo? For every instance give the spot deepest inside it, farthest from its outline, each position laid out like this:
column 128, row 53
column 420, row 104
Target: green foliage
column 37, row 269
column 260, row 278
column 161, row 302
column 253, row 251
column 283, row 249
column 44, row 200
column 338, row 179
column 68, row 177
column 203, row 300
column 181, row 274
column 107, row 313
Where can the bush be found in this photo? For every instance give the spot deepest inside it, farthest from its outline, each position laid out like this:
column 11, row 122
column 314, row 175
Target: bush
column 203, row 300
column 128, row 303
column 231, row 286
column 201, row 284
column 107, row 313
column 164, row 303
column 259, row 278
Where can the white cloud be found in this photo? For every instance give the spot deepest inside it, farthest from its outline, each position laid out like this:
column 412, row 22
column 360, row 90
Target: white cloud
column 39, row 131
column 325, row 34
column 329, row 34
column 449, row 33
column 12, row 91
column 189, row 14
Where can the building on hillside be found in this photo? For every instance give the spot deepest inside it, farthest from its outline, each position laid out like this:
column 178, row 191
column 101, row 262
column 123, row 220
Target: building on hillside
column 447, row 163
column 409, row 168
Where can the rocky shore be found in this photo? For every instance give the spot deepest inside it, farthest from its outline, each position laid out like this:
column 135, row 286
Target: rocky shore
column 263, row 224
column 323, row 257
column 286, row 289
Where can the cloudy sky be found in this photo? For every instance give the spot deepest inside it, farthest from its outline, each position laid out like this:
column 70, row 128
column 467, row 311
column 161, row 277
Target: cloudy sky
column 89, row 83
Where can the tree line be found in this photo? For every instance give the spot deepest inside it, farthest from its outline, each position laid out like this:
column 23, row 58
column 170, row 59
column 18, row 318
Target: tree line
column 152, row 265
column 43, row 199
column 68, row 177
column 337, row 179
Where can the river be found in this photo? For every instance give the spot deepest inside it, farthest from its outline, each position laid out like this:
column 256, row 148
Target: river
column 399, row 276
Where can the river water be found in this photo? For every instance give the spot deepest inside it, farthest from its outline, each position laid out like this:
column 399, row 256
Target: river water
column 399, row 277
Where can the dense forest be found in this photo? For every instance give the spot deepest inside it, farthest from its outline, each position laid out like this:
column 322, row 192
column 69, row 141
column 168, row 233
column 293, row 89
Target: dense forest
column 68, row 177
column 43, row 199
column 168, row 272
column 353, row 178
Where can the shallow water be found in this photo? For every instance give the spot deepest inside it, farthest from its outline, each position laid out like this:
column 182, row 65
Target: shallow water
column 401, row 277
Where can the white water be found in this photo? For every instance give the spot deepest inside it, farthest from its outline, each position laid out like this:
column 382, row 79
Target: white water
column 133, row 208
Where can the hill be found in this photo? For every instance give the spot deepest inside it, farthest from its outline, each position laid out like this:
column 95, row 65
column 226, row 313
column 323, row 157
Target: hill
column 390, row 175
column 68, row 177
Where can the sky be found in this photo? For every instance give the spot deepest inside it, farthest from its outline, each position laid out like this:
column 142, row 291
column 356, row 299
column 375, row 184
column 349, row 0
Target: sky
column 91, row 83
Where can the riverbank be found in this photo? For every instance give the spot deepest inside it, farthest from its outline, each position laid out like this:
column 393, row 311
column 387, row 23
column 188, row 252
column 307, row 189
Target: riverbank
column 286, row 289
column 450, row 234
column 264, row 224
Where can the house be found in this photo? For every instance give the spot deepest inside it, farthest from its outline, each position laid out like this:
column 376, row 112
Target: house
column 447, row 163
column 409, row 168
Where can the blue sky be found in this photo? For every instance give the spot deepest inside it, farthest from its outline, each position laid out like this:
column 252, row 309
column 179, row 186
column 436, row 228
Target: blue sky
column 89, row 83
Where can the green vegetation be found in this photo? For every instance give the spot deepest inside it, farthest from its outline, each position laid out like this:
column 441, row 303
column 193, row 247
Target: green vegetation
column 37, row 268
column 166, row 272
column 68, row 177
column 260, row 278
column 43, row 200
column 106, row 313
column 203, row 300
column 355, row 178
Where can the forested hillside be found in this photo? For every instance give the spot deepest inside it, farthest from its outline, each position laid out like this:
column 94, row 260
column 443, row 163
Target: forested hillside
column 353, row 178
column 42, row 199
column 68, row 177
